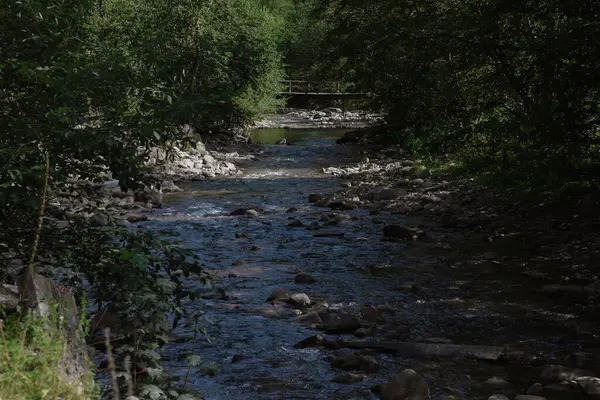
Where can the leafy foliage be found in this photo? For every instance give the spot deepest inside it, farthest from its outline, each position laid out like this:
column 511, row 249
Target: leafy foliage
column 94, row 85
column 514, row 84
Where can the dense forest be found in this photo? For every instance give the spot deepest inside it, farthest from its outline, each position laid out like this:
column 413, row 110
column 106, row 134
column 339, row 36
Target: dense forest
column 90, row 88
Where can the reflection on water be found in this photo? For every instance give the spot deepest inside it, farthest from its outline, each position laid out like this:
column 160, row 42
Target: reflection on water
column 272, row 135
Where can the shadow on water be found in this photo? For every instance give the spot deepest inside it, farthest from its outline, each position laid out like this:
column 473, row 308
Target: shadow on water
column 272, row 135
column 356, row 268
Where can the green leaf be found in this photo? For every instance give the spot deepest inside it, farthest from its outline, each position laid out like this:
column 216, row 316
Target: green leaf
column 152, row 392
column 194, row 360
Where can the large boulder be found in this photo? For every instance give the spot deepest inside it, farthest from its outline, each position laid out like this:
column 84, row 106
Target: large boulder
column 9, row 298
column 344, row 323
column 40, row 294
column 407, row 385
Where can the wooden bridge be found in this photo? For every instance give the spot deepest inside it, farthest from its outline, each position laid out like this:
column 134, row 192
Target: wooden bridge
column 333, row 89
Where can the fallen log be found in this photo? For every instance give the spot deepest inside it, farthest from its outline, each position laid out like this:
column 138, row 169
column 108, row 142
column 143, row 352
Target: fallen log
column 487, row 353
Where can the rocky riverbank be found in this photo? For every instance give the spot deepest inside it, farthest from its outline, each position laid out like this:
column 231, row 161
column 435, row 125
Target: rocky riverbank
column 105, row 203
column 317, row 119
column 519, row 247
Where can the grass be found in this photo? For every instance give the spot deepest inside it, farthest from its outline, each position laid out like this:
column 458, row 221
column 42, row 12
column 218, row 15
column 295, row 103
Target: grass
column 31, row 351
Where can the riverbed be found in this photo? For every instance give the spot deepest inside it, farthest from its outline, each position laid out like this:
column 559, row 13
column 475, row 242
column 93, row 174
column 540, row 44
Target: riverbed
column 250, row 256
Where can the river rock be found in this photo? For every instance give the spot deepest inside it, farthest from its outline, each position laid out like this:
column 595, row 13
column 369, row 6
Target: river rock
column 296, row 224
column 252, row 213
column 209, row 160
column 170, row 187
column 136, row 217
column 563, row 390
column 301, row 299
column 209, row 173
column 561, row 373
column 311, row 318
column 407, row 385
column 344, row 323
column 121, row 222
column 498, row 397
column 529, row 397
column 315, row 198
column 370, row 314
column 590, row 385
column 98, row 220
column 535, row 389
column 304, row 278
column 342, row 205
column 400, row 232
column 311, row 341
column 278, row 294
column 351, row 137
column 423, row 173
column 348, row 377
column 270, row 312
column 355, row 362
column 281, row 141
column 9, row 298
column 331, row 343
column 362, row 332
column 149, row 195
column 384, row 194
column 496, row 384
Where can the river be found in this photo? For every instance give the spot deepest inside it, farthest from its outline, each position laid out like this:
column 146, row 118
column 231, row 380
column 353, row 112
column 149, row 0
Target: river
column 251, row 257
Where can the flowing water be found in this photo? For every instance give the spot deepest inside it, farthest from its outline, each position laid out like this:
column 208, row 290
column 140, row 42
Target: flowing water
column 255, row 354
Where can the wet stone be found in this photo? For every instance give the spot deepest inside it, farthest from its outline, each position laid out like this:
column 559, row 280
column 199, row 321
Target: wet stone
column 311, row 341
column 529, row 397
column 400, row 232
column 278, row 294
column 355, row 362
column 342, row 324
column 331, row 343
column 535, row 389
column 311, row 318
column 496, row 384
column 304, row 278
column 252, row 213
column 370, row 314
column 301, row 299
column 498, row 397
column 407, row 385
column 348, row 377
column 314, row 198
column 362, row 332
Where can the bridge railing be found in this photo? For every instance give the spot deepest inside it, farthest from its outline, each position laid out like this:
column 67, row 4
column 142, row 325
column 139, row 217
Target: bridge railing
column 311, row 87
